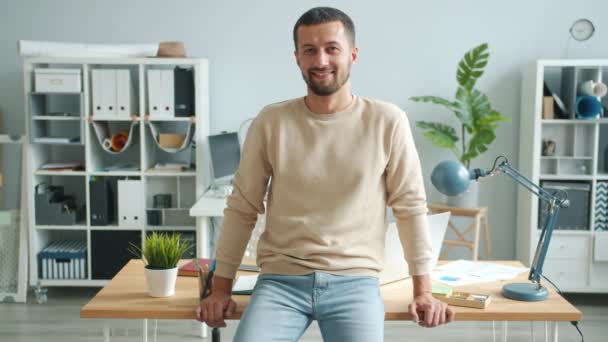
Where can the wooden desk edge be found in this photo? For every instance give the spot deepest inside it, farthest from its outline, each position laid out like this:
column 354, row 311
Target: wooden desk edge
column 90, row 310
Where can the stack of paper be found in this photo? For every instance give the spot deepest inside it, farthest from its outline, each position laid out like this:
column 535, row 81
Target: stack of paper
column 465, row 272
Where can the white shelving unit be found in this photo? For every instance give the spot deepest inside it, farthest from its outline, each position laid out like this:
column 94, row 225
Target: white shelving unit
column 76, row 119
column 577, row 260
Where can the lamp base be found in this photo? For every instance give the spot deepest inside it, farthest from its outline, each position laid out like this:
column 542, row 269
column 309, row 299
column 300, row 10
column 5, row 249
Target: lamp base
column 527, row 292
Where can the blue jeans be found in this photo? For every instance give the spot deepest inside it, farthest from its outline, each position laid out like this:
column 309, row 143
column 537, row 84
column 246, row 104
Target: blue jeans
column 347, row 308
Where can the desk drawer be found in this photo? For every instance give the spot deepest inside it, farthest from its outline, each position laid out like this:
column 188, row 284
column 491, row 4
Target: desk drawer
column 566, row 273
column 569, row 247
column 600, row 247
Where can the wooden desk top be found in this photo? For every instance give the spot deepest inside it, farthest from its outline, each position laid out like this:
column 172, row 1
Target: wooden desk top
column 125, row 297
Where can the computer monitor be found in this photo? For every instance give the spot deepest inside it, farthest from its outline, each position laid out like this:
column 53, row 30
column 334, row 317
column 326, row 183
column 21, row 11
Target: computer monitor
column 225, row 156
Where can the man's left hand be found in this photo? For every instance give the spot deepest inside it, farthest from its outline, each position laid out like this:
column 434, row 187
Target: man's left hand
column 430, row 312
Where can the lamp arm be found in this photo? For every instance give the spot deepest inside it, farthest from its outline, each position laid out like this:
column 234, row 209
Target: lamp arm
column 554, row 202
column 522, row 180
column 536, row 267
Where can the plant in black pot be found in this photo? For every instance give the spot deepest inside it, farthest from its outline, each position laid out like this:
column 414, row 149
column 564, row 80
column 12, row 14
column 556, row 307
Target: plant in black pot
column 161, row 252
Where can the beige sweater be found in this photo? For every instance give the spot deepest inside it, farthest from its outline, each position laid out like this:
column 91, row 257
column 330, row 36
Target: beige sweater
column 332, row 177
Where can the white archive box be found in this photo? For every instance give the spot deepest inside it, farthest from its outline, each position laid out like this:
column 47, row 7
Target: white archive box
column 130, row 204
column 49, row 80
column 112, row 93
column 161, row 93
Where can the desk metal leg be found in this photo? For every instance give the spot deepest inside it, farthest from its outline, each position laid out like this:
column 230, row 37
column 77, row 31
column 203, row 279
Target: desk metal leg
column 106, row 331
column 532, row 331
column 504, row 331
column 155, row 329
column 215, row 335
column 493, row 331
column 555, row 336
column 546, row 331
column 145, row 330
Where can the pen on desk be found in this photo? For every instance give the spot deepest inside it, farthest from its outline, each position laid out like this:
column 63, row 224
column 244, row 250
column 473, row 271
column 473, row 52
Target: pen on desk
column 208, row 280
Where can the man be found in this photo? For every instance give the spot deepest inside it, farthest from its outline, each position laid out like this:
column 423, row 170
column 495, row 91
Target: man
column 336, row 161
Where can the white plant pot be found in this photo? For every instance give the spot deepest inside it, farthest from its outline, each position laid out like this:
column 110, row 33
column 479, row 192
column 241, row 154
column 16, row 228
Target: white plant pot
column 467, row 199
column 161, row 283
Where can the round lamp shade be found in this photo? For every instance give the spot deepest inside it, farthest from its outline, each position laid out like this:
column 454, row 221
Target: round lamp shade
column 450, row 178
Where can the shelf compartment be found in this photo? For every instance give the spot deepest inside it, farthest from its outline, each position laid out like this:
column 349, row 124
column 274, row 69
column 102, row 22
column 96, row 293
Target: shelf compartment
column 59, row 201
column 58, row 270
column 67, row 132
column 126, row 160
column 63, row 259
column 168, row 200
column 114, row 91
column 160, row 159
column 44, row 155
column 169, row 91
column 172, row 218
column 575, row 166
column 572, row 166
column 570, row 139
column 180, row 135
column 577, row 215
column 107, row 202
column 109, row 251
column 56, row 105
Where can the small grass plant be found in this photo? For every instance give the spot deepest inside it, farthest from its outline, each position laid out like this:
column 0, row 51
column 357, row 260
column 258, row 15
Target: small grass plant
column 161, row 251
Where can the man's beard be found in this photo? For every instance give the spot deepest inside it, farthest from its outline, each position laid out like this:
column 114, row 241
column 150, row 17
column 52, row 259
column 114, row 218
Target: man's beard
column 326, row 90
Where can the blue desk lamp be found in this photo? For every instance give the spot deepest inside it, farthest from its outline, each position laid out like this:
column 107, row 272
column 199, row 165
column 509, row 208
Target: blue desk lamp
column 452, row 178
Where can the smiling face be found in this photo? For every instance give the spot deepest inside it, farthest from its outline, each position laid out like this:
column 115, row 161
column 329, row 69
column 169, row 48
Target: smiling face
column 324, row 56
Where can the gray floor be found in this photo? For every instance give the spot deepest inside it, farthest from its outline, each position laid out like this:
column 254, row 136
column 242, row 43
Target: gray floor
column 58, row 320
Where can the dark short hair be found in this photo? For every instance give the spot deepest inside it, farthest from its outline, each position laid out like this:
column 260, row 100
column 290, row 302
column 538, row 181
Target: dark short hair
column 322, row 15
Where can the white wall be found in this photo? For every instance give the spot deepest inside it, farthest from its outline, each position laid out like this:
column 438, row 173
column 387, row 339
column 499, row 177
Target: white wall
column 406, row 48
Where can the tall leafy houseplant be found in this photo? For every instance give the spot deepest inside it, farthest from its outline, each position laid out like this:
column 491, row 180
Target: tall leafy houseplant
column 161, row 252
column 472, row 107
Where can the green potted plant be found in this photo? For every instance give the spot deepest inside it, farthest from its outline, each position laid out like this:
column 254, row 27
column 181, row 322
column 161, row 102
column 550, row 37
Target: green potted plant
column 478, row 120
column 161, row 252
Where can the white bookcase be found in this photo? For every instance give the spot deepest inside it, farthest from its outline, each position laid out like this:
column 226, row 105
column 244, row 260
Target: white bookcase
column 577, row 260
column 61, row 128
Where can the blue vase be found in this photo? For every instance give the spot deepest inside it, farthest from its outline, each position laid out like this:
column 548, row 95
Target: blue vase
column 588, row 107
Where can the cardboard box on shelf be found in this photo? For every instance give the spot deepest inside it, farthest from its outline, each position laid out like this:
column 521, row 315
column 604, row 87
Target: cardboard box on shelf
column 171, row 140
column 548, row 108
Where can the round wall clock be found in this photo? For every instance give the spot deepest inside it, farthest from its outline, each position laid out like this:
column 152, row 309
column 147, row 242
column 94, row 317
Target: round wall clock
column 582, row 30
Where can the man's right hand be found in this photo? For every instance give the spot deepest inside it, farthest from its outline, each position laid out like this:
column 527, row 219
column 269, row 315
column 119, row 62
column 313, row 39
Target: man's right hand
column 218, row 305
column 215, row 308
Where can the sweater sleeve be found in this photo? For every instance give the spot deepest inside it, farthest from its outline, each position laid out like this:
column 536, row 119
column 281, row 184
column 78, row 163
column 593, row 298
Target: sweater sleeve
column 245, row 202
column 407, row 197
